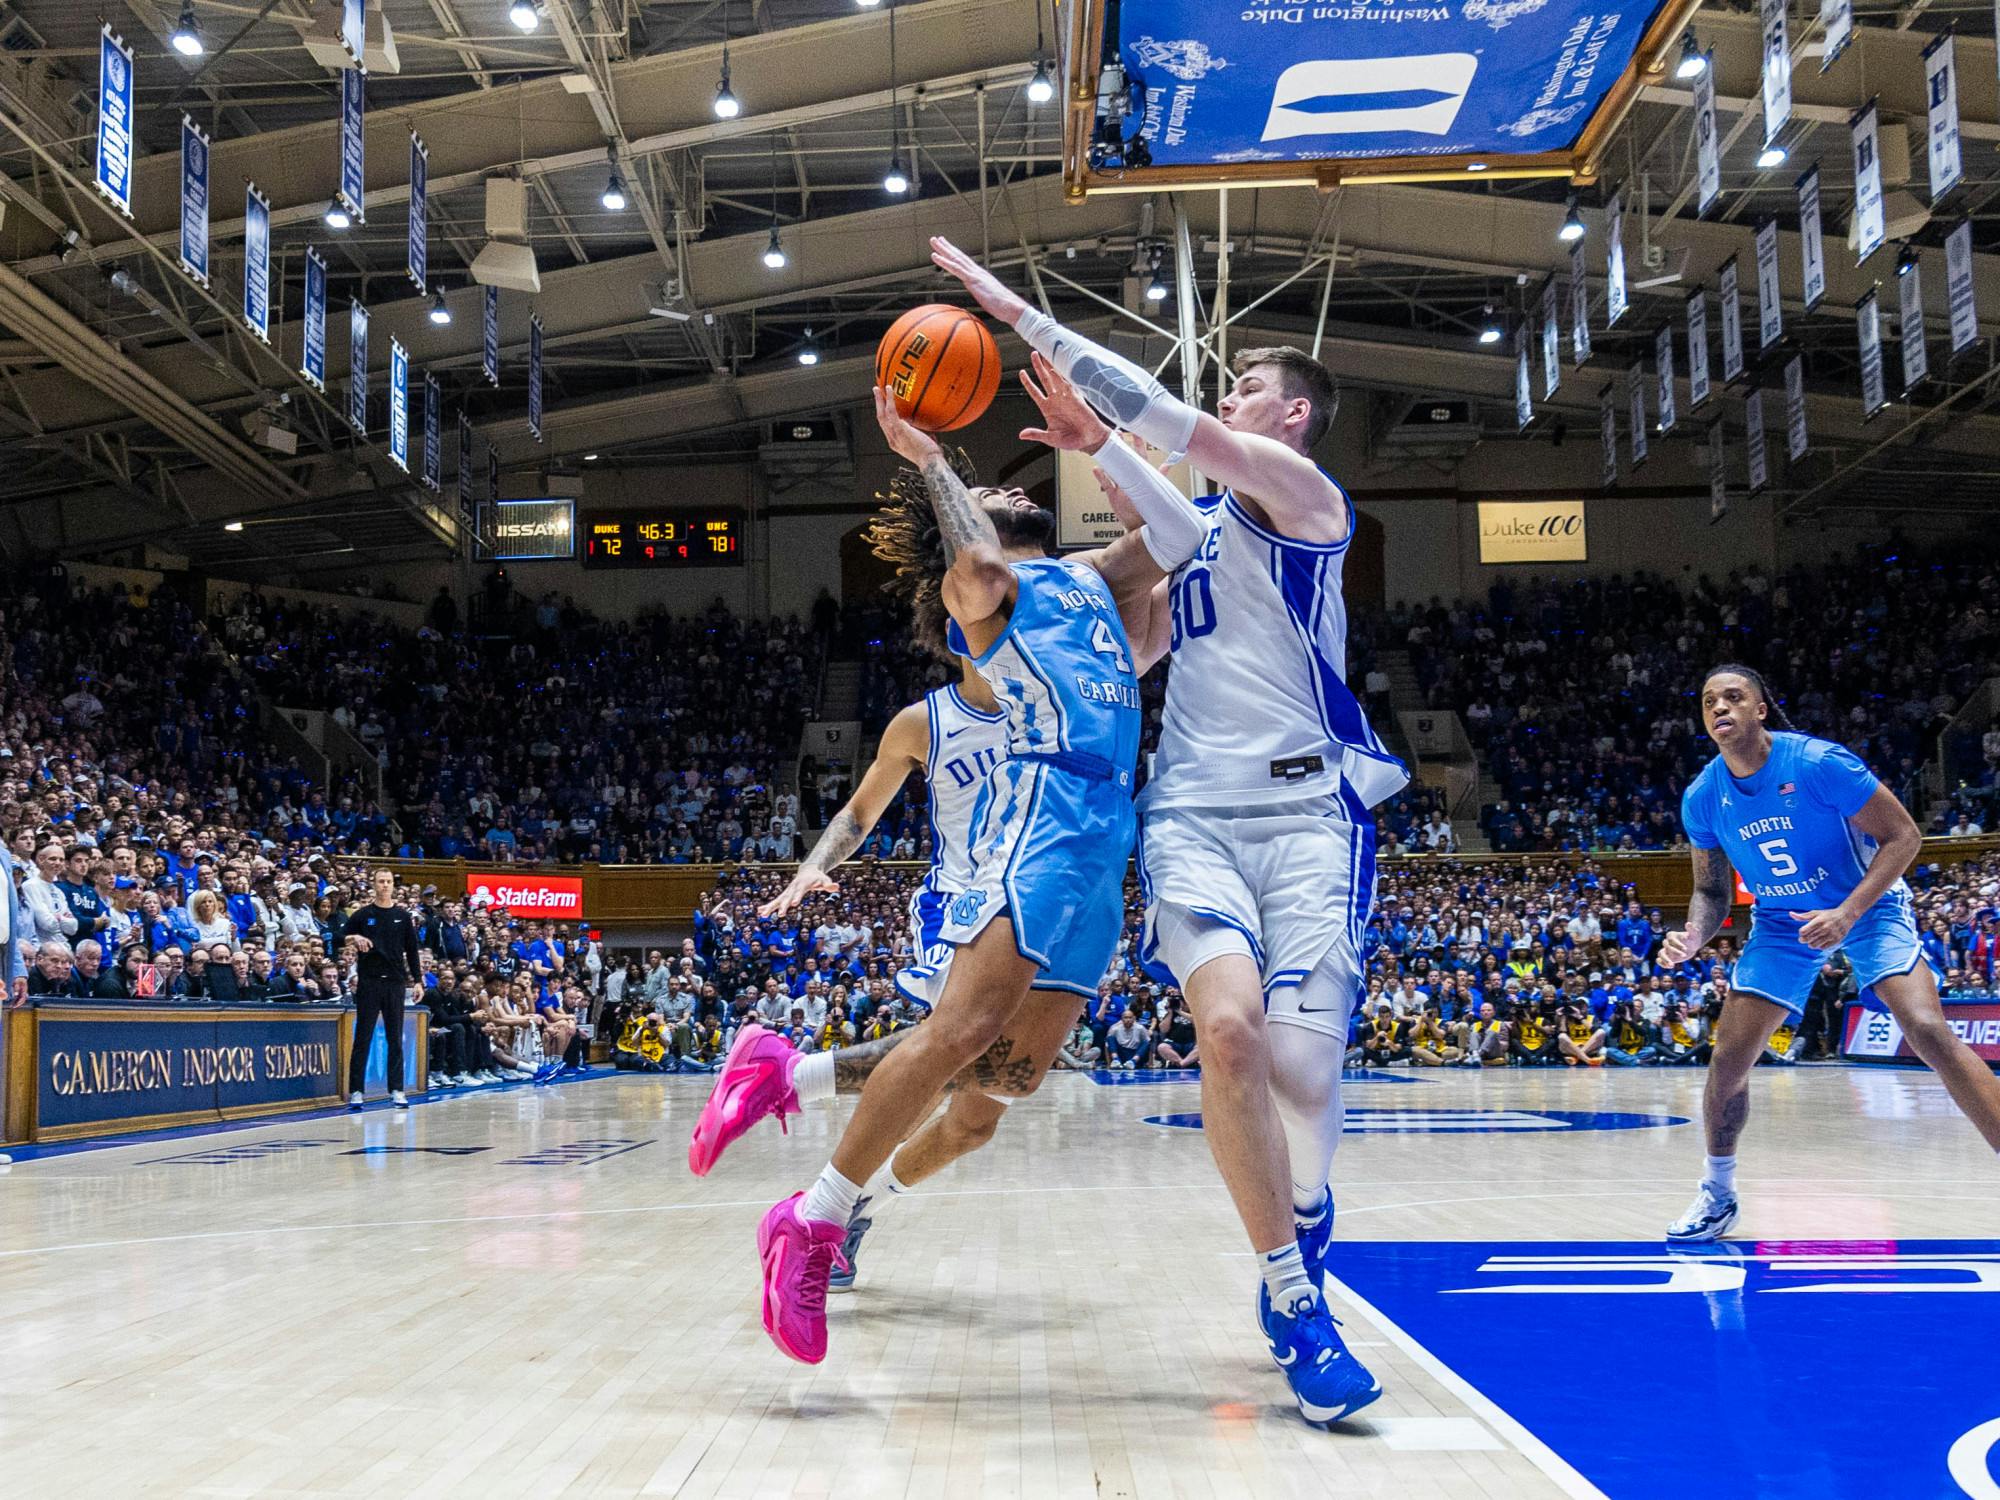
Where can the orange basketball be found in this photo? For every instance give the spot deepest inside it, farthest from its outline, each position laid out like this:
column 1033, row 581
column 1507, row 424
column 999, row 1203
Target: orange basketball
column 941, row 365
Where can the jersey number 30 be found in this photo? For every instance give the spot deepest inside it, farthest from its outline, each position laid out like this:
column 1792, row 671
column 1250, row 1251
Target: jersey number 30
column 1194, row 606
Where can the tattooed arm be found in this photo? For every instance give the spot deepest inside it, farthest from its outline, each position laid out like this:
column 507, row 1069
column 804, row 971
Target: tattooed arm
column 904, row 747
column 1707, row 907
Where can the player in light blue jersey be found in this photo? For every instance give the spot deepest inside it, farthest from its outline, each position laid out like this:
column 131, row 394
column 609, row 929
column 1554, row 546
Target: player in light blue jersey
column 1822, row 846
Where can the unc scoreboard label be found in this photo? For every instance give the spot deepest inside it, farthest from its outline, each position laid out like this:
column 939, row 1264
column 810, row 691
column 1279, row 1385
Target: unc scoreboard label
column 1372, row 78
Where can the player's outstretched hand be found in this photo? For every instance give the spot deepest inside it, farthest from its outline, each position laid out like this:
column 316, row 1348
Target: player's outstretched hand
column 1824, row 929
column 811, row 878
column 1676, row 950
column 909, row 443
column 1069, row 423
column 983, row 284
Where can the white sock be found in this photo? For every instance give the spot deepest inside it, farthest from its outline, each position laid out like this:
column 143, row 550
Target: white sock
column 831, row 1197
column 812, row 1079
column 1285, row 1279
column 1721, row 1173
column 885, row 1185
column 1308, row 1204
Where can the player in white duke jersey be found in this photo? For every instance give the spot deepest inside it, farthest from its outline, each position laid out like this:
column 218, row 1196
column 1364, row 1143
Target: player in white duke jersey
column 1822, row 846
column 1258, row 850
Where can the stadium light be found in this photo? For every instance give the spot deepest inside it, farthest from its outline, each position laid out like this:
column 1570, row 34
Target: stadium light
column 1041, row 88
column 187, row 35
column 1692, row 63
column 1572, row 225
column 440, row 313
column 525, row 14
column 1490, row 331
column 895, row 181
column 808, row 351
column 774, row 252
column 1773, row 155
column 614, row 193
column 337, row 216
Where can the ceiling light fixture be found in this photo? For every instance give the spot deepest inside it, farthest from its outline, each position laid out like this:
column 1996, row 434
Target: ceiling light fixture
column 614, row 193
column 440, row 313
column 337, row 216
column 186, row 38
column 774, row 252
column 1692, row 63
column 1773, row 155
column 894, row 181
column 1041, row 88
column 727, row 105
column 1490, row 331
column 1572, row 225
column 808, row 352
column 525, row 14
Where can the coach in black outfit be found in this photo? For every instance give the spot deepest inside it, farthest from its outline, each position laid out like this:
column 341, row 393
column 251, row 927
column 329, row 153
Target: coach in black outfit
column 386, row 940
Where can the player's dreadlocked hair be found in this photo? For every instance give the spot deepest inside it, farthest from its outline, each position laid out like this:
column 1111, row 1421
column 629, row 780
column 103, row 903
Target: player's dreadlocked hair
column 906, row 532
column 1774, row 713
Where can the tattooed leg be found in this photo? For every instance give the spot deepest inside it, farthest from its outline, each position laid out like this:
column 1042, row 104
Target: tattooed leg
column 1740, row 1038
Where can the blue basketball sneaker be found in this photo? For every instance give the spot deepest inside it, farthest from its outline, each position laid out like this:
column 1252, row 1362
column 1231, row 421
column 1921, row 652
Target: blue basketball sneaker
column 844, row 1263
column 1315, row 1236
column 1328, row 1382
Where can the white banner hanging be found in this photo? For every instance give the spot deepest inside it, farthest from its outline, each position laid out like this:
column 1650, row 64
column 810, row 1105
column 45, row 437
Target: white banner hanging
column 1777, row 69
column 1607, row 433
column 1796, row 441
column 1697, row 316
column 1868, row 230
column 1770, row 311
column 1836, row 18
column 1640, row 432
column 1732, row 324
column 1718, row 477
column 1579, row 308
column 1614, row 296
column 1524, row 385
column 1707, row 157
column 1958, row 288
column 1753, row 421
column 1812, row 247
column 1868, row 325
column 1551, row 340
column 1941, row 90
column 1910, row 300
column 1663, row 359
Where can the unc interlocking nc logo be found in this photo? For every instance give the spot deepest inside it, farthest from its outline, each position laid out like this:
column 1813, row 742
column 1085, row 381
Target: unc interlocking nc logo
column 1370, row 96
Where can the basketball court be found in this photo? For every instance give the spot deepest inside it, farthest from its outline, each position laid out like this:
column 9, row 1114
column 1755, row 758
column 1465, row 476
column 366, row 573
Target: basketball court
column 524, row 1292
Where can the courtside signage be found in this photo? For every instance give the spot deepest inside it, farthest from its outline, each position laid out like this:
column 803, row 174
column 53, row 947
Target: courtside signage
column 526, row 895
column 1876, row 1034
column 1532, row 531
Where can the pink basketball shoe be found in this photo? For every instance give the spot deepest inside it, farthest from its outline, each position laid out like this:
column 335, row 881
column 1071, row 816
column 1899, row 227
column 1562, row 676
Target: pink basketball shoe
column 756, row 1080
column 797, row 1254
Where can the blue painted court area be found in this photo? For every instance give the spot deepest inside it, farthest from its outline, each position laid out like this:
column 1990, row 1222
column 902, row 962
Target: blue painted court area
column 1468, row 1121
column 1193, row 1075
column 1842, row 1370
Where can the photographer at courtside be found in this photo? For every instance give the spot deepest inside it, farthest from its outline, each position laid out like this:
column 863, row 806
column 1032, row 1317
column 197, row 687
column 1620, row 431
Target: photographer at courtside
column 388, row 968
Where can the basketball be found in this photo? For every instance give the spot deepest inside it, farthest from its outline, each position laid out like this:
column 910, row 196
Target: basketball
column 941, row 365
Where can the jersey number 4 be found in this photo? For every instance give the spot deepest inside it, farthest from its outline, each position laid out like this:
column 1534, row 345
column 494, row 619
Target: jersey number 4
column 1193, row 603
column 1105, row 643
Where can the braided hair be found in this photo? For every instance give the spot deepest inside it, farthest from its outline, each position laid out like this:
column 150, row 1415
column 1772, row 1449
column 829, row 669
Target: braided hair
column 905, row 532
column 1774, row 713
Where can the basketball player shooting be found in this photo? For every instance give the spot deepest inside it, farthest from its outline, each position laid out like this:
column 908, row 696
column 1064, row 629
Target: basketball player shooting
column 1259, row 853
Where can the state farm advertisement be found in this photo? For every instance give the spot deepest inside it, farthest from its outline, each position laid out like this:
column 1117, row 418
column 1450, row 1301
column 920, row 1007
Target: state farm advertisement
column 525, row 894
column 1875, row 1034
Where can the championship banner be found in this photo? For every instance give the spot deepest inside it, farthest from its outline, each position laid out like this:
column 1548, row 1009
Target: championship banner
column 353, row 157
column 194, row 201
column 1796, row 441
column 1524, row 391
column 1958, row 288
column 257, row 262
column 464, row 467
column 1910, row 326
column 357, row 367
column 399, row 404
column 1753, row 418
column 1941, row 89
column 1615, row 300
column 1640, row 443
column 1732, row 324
column 1579, row 308
column 489, row 325
column 1812, row 249
column 492, row 475
column 535, row 376
column 1607, row 432
column 433, row 438
column 1663, row 357
column 114, row 121
column 1770, row 310
column 1708, row 160
column 353, row 28
column 1697, row 316
column 420, row 214
column 1868, row 226
column 312, row 358
column 1718, row 480
column 1552, row 338
column 1777, row 69
column 1836, row 19
column 1869, row 328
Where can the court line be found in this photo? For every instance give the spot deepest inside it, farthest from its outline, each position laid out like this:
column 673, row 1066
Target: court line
column 1530, row 1447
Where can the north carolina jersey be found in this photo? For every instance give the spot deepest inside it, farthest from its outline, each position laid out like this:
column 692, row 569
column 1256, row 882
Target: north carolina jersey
column 966, row 744
column 1062, row 670
column 1785, row 829
column 1258, row 707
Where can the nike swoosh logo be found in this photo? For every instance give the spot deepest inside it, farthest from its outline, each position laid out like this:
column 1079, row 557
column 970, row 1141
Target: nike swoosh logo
column 952, row 734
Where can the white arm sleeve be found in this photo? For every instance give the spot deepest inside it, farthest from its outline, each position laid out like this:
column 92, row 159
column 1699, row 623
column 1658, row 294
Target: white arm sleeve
column 1175, row 527
column 1117, row 389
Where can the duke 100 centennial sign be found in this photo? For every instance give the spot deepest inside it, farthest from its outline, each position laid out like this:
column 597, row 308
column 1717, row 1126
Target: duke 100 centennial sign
column 1532, row 531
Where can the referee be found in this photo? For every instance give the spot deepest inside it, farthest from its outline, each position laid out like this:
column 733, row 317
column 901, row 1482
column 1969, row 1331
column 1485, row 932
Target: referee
column 386, row 940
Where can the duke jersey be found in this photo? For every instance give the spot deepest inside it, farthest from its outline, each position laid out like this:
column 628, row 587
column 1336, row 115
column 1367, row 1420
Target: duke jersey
column 966, row 743
column 1258, row 708
column 1785, row 829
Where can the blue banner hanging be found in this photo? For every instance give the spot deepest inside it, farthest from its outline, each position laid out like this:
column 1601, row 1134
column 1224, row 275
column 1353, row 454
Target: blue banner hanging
column 464, row 467
column 114, row 121
column 194, row 200
column 257, row 263
column 420, row 227
column 489, row 335
column 1293, row 83
column 535, row 377
column 357, row 367
column 399, row 404
column 433, row 440
column 353, row 142
column 492, row 475
column 312, row 357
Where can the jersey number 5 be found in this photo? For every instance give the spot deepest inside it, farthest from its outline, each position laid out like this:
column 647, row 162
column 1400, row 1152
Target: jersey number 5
column 1782, row 864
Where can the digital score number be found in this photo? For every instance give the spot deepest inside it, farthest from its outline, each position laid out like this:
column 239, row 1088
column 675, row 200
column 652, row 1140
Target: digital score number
column 663, row 539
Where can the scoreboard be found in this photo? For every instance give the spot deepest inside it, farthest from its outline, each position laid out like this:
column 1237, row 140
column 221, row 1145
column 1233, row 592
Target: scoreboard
column 667, row 537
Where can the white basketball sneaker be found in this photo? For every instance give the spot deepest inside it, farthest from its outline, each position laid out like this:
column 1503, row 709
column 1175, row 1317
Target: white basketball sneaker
column 1708, row 1218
